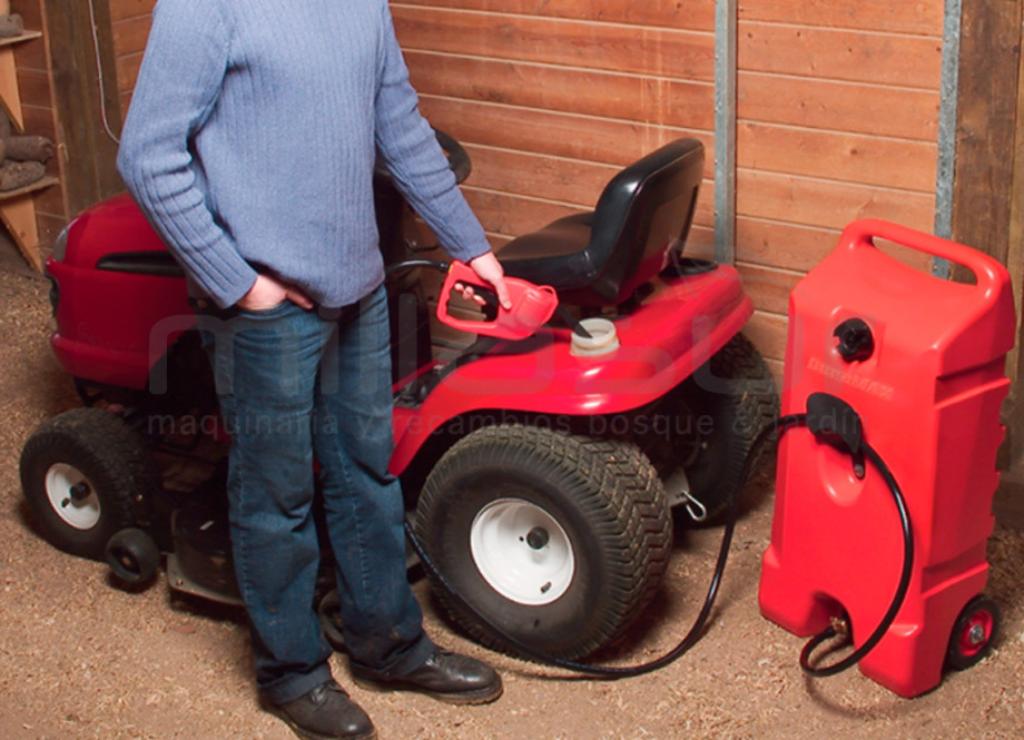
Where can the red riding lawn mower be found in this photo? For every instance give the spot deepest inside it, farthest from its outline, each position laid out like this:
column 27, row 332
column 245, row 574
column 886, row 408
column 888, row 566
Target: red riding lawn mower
column 541, row 463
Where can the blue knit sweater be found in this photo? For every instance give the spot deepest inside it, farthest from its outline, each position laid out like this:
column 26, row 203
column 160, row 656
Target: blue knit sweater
column 251, row 138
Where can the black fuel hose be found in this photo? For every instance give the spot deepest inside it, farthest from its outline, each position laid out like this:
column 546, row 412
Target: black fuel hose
column 897, row 600
column 399, row 267
column 696, row 631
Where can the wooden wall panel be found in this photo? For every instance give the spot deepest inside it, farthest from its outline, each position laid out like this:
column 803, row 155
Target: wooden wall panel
column 693, row 14
column 1015, row 263
column 654, row 102
column 77, row 61
column 130, row 34
column 835, row 105
column 922, row 17
column 838, row 155
column 838, row 120
column 552, row 98
column 822, row 202
column 603, row 140
column 767, row 330
column 768, row 287
column 838, row 105
column 841, row 54
column 618, row 48
column 506, row 214
column 988, row 192
column 782, row 244
column 121, row 10
column 131, row 20
column 987, row 125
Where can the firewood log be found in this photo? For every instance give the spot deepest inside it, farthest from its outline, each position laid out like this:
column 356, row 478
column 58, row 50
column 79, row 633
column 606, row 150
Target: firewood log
column 29, row 148
column 11, row 25
column 14, row 175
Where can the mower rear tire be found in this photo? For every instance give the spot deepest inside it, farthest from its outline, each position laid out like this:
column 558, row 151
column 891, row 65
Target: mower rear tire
column 735, row 394
column 559, row 540
column 86, row 476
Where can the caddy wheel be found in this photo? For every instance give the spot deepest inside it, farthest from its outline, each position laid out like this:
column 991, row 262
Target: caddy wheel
column 558, row 540
column 973, row 634
column 86, row 475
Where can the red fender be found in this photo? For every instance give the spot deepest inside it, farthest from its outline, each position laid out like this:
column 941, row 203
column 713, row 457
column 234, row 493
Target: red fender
column 674, row 331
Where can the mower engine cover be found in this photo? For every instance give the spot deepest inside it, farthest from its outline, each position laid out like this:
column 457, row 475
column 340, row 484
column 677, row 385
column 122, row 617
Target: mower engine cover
column 121, row 300
column 921, row 361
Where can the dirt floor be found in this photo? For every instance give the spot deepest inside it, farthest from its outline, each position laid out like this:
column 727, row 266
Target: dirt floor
column 79, row 658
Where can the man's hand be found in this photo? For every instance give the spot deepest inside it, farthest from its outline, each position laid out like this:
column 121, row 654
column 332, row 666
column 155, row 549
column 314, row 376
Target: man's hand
column 266, row 293
column 487, row 267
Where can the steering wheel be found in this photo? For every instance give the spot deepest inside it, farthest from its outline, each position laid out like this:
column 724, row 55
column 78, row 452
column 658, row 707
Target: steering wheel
column 458, row 159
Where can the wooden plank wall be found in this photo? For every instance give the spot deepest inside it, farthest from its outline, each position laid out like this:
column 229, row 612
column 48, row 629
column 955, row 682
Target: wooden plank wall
column 549, row 103
column 553, row 98
column 838, row 112
column 35, row 82
column 76, row 60
column 838, row 104
column 131, row 20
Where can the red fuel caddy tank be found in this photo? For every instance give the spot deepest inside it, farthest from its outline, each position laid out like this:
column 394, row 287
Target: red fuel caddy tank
column 922, row 361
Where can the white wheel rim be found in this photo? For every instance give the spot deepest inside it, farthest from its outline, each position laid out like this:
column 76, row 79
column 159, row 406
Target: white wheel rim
column 522, row 552
column 72, row 496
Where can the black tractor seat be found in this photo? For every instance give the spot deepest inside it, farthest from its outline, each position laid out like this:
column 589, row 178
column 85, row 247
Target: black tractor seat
column 601, row 257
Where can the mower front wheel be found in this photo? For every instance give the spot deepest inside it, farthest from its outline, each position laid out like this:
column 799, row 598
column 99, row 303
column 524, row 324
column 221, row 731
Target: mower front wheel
column 86, row 476
column 133, row 557
column 558, row 540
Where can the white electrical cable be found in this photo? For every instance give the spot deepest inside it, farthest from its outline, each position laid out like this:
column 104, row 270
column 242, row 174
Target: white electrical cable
column 99, row 74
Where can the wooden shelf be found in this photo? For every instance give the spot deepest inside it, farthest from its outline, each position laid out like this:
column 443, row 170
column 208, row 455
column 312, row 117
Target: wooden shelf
column 17, row 207
column 47, row 182
column 27, row 36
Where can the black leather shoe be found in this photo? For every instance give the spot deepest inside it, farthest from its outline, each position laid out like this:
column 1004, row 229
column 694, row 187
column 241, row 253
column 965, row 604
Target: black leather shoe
column 325, row 713
column 456, row 679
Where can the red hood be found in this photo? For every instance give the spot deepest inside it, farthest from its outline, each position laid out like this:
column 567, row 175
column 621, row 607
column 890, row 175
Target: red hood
column 113, row 226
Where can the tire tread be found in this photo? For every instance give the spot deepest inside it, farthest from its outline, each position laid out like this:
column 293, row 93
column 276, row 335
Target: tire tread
column 625, row 498
column 105, row 443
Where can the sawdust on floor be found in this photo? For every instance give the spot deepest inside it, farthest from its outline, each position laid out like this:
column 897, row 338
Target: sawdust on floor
column 80, row 659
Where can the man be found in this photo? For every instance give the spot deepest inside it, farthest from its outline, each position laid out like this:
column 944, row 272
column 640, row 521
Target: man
column 250, row 144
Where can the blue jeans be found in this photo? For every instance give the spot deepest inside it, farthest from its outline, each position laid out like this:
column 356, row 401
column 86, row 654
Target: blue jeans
column 292, row 384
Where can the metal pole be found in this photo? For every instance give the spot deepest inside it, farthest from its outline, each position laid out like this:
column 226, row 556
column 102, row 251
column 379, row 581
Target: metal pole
column 725, row 131
column 950, row 92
